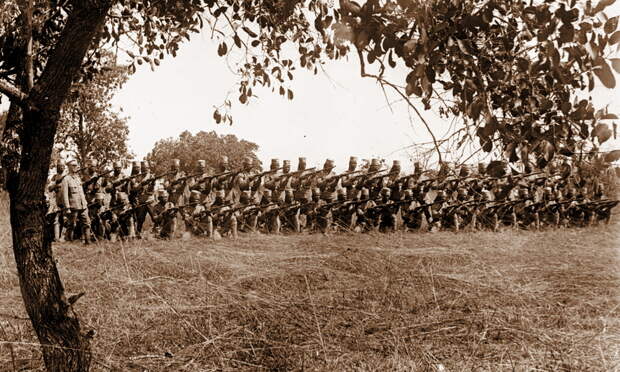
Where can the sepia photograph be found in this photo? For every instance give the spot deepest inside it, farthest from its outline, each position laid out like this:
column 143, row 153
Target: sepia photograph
column 309, row 185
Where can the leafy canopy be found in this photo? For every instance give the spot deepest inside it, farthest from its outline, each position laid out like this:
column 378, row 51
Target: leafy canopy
column 208, row 146
column 517, row 73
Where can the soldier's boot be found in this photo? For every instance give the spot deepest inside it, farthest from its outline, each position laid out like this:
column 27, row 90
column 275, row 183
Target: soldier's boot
column 473, row 222
column 69, row 234
column 210, row 227
column 296, row 224
column 276, row 225
column 457, row 223
column 233, row 227
column 57, row 236
column 537, row 222
column 86, row 234
column 515, row 221
column 495, row 223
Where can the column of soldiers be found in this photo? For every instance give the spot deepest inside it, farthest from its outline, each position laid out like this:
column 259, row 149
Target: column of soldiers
column 90, row 205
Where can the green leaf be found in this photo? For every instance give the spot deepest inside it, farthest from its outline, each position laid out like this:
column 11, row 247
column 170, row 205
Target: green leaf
column 604, row 74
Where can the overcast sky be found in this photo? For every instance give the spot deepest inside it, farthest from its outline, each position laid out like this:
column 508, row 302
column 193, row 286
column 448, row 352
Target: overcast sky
column 334, row 114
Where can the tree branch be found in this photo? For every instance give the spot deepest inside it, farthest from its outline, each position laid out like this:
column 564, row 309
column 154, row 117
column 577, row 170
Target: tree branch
column 382, row 81
column 13, row 92
column 25, row 6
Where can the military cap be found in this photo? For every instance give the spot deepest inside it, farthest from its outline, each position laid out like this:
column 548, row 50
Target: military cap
column 91, row 162
column 201, row 163
column 408, row 194
column 194, row 196
column 118, row 164
column 301, row 164
column 374, row 165
column 144, row 164
column 316, row 191
column 176, row 162
column 395, row 166
column 162, row 193
column 286, row 163
column 352, row 163
column 275, row 164
column 386, row 191
column 329, row 163
column 135, row 164
column 365, row 193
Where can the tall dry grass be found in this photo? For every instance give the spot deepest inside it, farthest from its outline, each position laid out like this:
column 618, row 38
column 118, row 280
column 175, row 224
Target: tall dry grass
column 509, row 301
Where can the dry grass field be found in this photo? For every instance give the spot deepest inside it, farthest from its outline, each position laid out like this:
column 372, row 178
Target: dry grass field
column 508, row 301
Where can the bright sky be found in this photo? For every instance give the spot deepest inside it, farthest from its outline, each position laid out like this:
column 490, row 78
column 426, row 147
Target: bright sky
column 334, row 114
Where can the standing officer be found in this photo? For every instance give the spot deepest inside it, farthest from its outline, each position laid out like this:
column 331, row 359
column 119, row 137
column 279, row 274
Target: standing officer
column 74, row 202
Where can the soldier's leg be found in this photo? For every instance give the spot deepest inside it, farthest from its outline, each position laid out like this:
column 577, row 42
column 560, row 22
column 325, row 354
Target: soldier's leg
column 141, row 217
column 209, row 226
column 233, row 226
column 276, row 224
column 84, row 219
column 71, row 221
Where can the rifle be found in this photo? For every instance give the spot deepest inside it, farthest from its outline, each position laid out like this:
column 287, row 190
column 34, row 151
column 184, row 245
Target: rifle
column 205, row 178
column 311, row 174
column 453, row 207
column 517, row 176
column 127, row 213
column 155, row 178
column 296, row 173
column 180, row 207
column 185, row 178
column 96, row 178
column 508, row 203
column 252, row 178
column 125, row 180
column 212, row 209
column 367, row 174
column 108, row 213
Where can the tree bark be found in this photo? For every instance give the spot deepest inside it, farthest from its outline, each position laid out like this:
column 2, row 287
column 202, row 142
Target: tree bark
column 64, row 346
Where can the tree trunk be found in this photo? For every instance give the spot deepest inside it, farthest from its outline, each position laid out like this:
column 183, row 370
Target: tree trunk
column 64, row 346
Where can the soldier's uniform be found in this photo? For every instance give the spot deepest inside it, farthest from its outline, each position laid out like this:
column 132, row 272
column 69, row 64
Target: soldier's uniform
column 75, row 201
column 165, row 216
